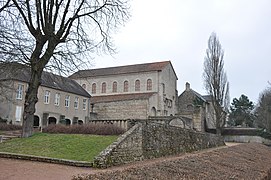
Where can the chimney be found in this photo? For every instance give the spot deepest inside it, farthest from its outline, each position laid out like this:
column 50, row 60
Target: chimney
column 187, row 86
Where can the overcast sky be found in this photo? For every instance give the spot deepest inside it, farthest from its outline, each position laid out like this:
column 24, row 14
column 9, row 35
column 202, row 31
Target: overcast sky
column 178, row 30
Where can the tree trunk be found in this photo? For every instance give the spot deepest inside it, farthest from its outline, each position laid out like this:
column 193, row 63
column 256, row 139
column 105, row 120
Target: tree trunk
column 219, row 131
column 30, row 101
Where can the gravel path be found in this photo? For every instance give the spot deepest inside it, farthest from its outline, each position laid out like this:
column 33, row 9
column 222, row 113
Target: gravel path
column 245, row 161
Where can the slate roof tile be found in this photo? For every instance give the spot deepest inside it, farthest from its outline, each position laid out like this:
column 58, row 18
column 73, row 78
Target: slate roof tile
column 20, row 72
column 136, row 68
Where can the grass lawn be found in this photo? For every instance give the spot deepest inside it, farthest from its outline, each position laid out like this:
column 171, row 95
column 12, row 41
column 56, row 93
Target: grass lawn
column 64, row 146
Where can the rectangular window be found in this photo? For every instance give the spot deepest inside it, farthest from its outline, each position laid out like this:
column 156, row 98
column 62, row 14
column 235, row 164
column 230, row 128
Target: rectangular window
column 84, row 104
column 57, row 99
column 67, row 101
column 18, row 113
column 76, row 102
column 47, row 97
column 20, row 90
column 165, row 112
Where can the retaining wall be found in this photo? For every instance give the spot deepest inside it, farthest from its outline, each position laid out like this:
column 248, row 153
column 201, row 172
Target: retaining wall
column 246, row 139
column 148, row 140
column 127, row 148
column 162, row 140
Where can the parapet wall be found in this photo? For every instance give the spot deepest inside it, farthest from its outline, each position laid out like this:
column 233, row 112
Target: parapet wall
column 148, row 140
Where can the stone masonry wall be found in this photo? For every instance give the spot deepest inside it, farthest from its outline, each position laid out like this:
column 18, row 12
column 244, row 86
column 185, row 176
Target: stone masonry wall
column 130, row 109
column 148, row 140
column 128, row 148
column 162, row 140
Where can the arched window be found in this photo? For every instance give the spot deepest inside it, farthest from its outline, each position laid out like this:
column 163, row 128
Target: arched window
column 149, row 85
column 93, row 88
column 153, row 111
column 125, row 86
column 115, row 87
column 103, row 87
column 137, row 85
column 84, row 86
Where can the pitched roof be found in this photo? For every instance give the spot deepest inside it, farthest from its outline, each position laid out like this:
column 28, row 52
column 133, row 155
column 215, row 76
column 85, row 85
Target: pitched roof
column 156, row 66
column 204, row 98
column 20, row 72
column 120, row 97
column 208, row 98
column 199, row 95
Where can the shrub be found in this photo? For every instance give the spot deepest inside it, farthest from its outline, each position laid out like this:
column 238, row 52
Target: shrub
column 97, row 129
column 9, row 127
column 3, row 120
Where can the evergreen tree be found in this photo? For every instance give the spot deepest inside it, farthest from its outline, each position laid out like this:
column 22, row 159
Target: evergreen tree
column 241, row 112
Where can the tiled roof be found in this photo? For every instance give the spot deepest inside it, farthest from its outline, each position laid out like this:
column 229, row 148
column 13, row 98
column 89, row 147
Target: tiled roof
column 199, row 95
column 120, row 97
column 19, row 72
column 207, row 98
column 156, row 66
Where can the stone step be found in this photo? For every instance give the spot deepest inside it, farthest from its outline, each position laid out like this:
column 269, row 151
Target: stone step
column 7, row 137
column 10, row 136
column 16, row 133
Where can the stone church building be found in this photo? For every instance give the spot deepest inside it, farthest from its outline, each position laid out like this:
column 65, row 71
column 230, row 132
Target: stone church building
column 196, row 109
column 130, row 92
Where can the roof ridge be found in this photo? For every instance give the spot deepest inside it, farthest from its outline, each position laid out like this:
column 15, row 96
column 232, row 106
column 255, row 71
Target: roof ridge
column 133, row 68
column 157, row 62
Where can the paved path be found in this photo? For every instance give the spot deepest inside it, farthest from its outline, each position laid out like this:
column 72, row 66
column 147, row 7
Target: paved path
column 12, row 169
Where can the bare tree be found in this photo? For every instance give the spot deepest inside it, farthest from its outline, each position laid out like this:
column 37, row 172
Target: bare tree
column 263, row 110
column 57, row 35
column 215, row 81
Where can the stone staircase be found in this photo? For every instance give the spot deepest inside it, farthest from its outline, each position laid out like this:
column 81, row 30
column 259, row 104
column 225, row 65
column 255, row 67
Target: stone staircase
column 7, row 135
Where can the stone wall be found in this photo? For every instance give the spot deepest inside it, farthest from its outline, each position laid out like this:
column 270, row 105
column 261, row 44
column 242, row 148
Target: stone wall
column 246, row 139
column 148, row 140
column 162, row 140
column 129, row 109
column 128, row 148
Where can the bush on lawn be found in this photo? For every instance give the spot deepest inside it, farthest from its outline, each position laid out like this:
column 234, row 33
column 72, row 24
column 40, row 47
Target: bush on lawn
column 3, row 120
column 9, row 127
column 97, row 129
